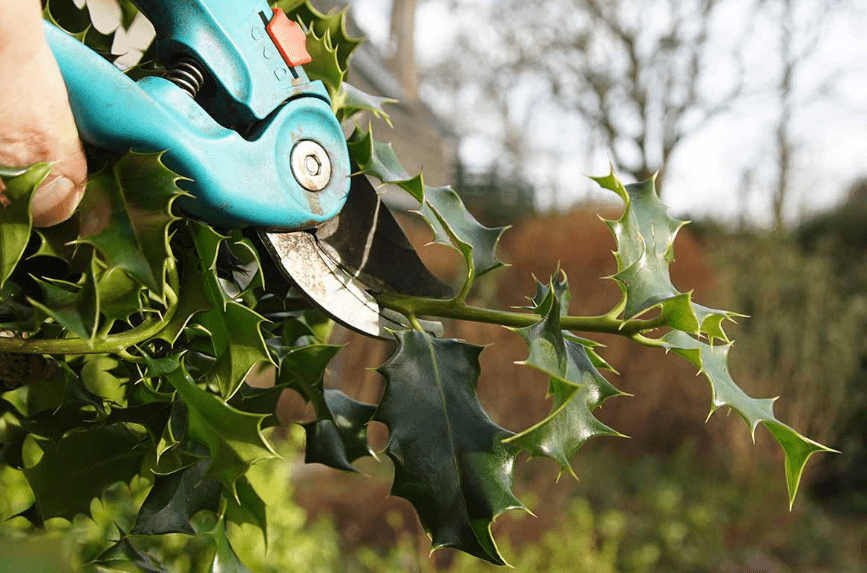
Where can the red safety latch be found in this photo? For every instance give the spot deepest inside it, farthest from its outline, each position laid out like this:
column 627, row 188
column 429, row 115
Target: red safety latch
column 289, row 39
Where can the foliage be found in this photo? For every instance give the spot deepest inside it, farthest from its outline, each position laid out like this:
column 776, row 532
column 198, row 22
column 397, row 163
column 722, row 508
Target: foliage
column 142, row 325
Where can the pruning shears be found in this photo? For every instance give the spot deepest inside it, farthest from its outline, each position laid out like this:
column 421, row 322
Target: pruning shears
column 259, row 146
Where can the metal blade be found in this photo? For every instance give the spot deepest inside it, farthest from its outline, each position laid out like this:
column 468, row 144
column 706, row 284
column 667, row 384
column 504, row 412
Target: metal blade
column 360, row 251
column 366, row 241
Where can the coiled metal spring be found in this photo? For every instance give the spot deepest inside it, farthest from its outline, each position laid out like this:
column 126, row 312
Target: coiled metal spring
column 187, row 74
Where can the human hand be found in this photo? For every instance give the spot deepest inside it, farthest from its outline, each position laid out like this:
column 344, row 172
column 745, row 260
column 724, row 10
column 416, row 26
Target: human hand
column 36, row 123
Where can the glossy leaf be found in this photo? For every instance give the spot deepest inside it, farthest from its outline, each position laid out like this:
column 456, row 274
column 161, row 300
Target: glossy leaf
column 80, row 467
column 712, row 361
column 339, row 441
column 234, row 439
column 126, row 213
column 575, row 384
column 238, row 345
column 15, row 218
column 449, row 458
column 249, row 508
column 75, row 310
column 645, row 235
column 225, row 558
column 302, row 370
column 350, row 100
column 175, row 498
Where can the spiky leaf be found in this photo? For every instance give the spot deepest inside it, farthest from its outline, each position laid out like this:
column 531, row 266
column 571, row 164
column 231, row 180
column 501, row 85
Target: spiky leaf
column 234, row 439
column 126, row 213
column 15, row 217
column 449, row 458
column 225, row 558
column 339, row 441
column 577, row 387
column 350, row 100
column 80, row 467
column 712, row 361
column 175, row 498
column 645, row 235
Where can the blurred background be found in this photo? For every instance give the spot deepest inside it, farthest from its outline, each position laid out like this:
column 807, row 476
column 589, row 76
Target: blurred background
column 754, row 115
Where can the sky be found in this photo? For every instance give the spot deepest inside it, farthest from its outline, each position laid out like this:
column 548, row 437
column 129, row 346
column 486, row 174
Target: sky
column 706, row 174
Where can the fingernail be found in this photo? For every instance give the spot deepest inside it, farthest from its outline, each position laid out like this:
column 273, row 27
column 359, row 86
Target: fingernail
column 53, row 202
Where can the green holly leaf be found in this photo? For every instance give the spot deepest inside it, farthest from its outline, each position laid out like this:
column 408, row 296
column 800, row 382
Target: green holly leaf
column 302, row 369
column 712, row 361
column 153, row 416
column 645, row 236
column 175, row 498
column 441, row 207
column 350, row 100
column 80, row 467
column 249, row 508
column 75, row 307
column 119, row 296
column 379, row 160
column 225, row 558
column 192, row 298
column 124, row 556
column 234, row 439
column 453, row 225
column 126, row 213
column 449, row 458
column 339, row 441
column 15, row 217
column 58, row 241
column 576, row 385
column 325, row 61
column 334, row 23
column 238, row 345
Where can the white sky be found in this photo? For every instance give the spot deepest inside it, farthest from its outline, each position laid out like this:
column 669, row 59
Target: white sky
column 705, row 173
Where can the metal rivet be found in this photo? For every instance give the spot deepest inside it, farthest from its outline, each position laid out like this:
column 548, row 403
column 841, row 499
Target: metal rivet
column 311, row 166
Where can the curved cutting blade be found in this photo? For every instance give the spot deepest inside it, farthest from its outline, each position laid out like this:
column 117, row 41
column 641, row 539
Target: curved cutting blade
column 362, row 250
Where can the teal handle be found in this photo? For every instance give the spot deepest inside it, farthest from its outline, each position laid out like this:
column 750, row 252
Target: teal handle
column 236, row 181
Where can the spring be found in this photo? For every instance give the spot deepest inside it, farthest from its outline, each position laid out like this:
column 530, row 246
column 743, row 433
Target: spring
column 187, row 74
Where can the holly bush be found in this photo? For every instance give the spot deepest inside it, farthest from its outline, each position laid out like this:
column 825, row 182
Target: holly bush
column 129, row 331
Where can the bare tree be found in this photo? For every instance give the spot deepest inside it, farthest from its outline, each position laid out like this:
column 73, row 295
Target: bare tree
column 634, row 70
column 799, row 37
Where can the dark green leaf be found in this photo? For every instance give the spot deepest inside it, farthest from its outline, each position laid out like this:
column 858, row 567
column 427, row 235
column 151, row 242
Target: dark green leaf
column 449, row 458
column 225, row 558
column 379, row 160
column 645, row 236
column 334, row 23
column 175, row 498
column 238, row 345
column 118, row 294
column 712, row 361
column 80, row 467
column 339, row 441
column 58, row 241
column 75, row 307
column 15, row 218
column 123, row 554
column 248, row 509
column 233, row 438
column 302, row 370
column 191, row 298
column 453, row 225
column 126, row 213
column 577, row 387
column 351, row 100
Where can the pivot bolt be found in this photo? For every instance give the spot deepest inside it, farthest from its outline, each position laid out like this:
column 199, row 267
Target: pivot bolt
column 310, row 165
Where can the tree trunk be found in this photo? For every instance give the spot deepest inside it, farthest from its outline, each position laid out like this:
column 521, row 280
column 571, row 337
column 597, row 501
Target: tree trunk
column 403, row 42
